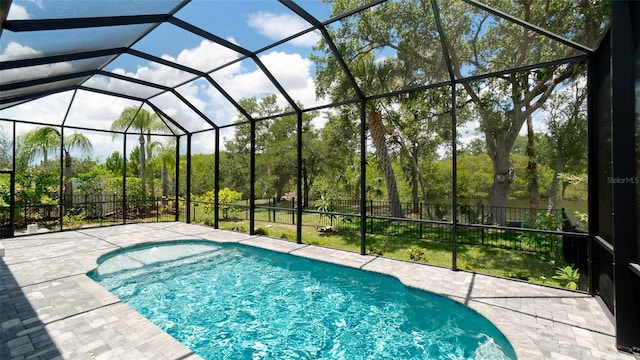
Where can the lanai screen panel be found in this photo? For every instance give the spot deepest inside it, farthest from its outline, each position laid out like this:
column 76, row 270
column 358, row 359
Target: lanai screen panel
column 480, row 42
column 63, row 9
column 46, row 110
column 103, row 110
column 121, row 86
column 148, row 70
column 243, row 80
column 185, row 116
column 192, row 50
column 291, row 66
column 244, row 23
column 584, row 22
column 46, row 71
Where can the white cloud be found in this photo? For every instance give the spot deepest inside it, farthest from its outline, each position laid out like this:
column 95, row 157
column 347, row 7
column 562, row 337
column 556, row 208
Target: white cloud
column 15, row 50
column 293, row 72
column 206, row 57
column 241, row 80
column 280, row 26
column 17, row 12
column 48, row 110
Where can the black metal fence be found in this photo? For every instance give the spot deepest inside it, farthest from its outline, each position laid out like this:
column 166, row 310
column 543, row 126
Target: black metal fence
column 84, row 209
column 527, row 230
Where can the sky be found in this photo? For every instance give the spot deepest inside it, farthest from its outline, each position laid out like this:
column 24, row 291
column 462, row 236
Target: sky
column 250, row 24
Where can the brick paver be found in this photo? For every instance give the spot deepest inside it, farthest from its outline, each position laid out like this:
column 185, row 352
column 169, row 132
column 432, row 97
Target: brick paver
column 50, row 309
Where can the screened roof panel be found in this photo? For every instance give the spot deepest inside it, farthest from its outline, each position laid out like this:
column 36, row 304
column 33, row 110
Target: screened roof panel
column 389, row 47
column 412, row 31
column 40, row 89
column 193, row 51
column 104, row 109
column 584, row 22
column 9, row 76
column 251, row 24
column 9, row 104
column 136, row 67
column 178, row 111
column 35, row 44
column 294, row 72
column 401, row 40
column 323, row 10
column 120, row 86
column 197, row 93
column 49, row 109
column 482, row 43
column 56, row 9
column 244, row 80
column 216, row 106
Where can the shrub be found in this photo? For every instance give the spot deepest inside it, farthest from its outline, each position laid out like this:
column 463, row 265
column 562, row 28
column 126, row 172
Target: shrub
column 375, row 251
column 226, row 196
column 287, row 236
column 416, row 254
column 569, row 275
column 73, row 221
column 326, row 207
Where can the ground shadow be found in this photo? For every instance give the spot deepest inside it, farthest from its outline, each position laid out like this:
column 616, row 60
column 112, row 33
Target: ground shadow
column 23, row 334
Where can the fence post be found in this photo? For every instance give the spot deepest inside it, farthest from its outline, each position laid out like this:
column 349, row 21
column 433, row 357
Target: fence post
column 482, row 220
column 371, row 216
column 274, row 208
column 293, row 213
column 331, row 216
column 420, row 235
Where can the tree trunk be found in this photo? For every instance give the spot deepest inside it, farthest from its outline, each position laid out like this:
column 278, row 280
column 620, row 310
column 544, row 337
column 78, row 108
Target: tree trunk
column 376, row 128
column 305, row 189
column 532, row 167
column 503, row 176
column 165, row 180
column 415, row 197
column 68, row 185
column 143, row 179
column 561, row 161
column 425, row 200
column 149, row 155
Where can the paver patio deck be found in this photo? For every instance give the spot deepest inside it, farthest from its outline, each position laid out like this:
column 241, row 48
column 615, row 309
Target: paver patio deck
column 50, row 309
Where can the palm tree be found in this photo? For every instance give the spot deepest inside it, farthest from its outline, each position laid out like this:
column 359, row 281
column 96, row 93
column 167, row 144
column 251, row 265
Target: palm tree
column 145, row 122
column 41, row 140
column 377, row 76
column 72, row 141
column 166, row 158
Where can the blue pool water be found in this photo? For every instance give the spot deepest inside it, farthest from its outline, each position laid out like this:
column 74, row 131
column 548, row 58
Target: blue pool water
column 229, row 301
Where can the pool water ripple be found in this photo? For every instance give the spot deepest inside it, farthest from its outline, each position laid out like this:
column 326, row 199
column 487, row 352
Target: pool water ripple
column 229, row 301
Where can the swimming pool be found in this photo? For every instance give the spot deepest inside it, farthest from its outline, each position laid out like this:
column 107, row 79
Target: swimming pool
column 231, row 301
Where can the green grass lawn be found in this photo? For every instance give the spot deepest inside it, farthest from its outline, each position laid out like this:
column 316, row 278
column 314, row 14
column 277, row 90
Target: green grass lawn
column 529, row 266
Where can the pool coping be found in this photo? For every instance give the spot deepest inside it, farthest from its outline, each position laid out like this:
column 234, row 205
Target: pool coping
column 47, row 273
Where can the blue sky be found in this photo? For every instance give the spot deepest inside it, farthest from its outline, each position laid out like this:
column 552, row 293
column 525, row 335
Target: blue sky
column 249, row 24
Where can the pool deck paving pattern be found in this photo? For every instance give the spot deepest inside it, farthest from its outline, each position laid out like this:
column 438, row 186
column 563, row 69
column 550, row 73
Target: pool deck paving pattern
column 50, row 309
